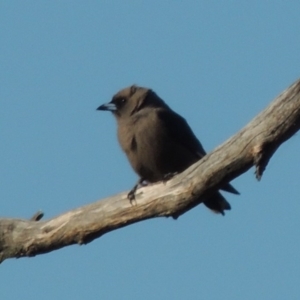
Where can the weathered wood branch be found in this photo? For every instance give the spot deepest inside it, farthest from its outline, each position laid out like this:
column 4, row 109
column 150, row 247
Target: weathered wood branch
column 254, row 145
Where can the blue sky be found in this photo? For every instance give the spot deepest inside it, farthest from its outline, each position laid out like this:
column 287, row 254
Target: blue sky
column 216, row 63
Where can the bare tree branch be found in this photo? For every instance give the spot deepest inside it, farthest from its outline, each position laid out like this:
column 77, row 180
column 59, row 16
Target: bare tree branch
column 253, row 145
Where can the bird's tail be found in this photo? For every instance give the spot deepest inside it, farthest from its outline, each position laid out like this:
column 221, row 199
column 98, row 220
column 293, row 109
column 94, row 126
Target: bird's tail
column 217, row 203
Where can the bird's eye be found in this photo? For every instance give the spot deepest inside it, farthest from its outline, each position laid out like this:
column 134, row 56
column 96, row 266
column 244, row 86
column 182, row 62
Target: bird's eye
column 121, row 101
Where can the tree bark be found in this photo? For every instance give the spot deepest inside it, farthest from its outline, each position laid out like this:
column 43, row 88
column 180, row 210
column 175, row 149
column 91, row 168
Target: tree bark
column 254, row 145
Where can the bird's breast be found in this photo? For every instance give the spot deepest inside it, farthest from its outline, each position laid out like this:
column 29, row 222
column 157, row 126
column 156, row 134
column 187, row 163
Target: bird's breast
column 151, row 151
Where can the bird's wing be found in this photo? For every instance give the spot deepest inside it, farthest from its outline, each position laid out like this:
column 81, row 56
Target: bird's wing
column 177, row 127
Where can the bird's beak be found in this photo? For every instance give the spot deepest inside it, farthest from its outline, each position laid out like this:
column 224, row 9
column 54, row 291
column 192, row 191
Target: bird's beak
column 108, row 106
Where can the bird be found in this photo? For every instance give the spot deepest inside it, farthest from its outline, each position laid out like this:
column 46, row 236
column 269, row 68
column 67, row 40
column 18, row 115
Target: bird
column 158, row 142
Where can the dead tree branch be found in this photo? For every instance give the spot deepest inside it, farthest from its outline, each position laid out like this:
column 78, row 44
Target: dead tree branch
column 254, row 145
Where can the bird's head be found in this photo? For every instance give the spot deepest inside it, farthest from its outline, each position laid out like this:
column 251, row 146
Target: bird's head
column 131, row 100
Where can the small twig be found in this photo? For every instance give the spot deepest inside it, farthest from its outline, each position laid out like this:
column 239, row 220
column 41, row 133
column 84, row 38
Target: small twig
column 37, row 216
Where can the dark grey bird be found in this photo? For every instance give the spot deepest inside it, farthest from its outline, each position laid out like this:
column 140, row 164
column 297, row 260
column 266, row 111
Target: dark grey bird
column 157, row 141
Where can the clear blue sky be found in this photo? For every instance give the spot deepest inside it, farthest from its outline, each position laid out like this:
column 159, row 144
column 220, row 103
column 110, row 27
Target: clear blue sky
column 218, row 64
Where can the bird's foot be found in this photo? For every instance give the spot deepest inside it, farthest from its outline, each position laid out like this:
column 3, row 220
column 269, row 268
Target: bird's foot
column 131, row 194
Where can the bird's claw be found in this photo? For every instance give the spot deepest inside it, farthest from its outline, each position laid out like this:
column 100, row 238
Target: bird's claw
column 131, row 195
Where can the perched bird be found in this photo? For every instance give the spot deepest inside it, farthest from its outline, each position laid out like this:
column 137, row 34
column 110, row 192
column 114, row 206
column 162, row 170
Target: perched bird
column 157, row 141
